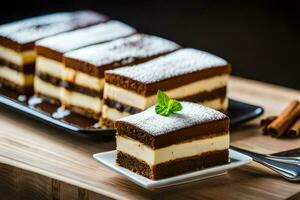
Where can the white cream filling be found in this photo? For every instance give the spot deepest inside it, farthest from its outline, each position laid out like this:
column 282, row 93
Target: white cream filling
column 176, row 151
column 15, row 76
column 83, row 79
column 47, row 89
column 49, row 66
column 82, row 100
column 133, row 99
column 113, row 114
column 18, row 58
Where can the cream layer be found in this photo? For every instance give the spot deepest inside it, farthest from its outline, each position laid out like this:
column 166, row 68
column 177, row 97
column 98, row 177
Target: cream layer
column 16, row 77
column 49, row 66
column 83, row 79
column 82, row 100
column 47, row 88
column 113, row 114
column 172, row 152
column 18, row 58
column 133, row 99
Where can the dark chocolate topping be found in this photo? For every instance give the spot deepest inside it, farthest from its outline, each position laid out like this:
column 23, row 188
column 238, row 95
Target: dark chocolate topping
column 121, row 52
column 96, row 34
column 193, row 121
column 21, row 35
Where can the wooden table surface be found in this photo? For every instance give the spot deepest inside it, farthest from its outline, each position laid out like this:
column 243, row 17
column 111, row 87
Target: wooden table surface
column 29, row 145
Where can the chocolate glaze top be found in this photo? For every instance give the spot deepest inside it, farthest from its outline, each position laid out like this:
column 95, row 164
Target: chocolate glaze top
column 192, row 114
column 184, row 61
column 29, row 30
column 124, row 50
column 100, row 33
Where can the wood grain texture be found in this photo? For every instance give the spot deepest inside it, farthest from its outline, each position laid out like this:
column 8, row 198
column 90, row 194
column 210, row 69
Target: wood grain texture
column 19, row 184
column 35, row 147
column 55, row 186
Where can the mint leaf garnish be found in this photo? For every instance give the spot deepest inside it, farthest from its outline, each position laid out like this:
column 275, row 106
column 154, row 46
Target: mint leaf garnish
column 166, row 106
column 175, row 105
column 162, row 98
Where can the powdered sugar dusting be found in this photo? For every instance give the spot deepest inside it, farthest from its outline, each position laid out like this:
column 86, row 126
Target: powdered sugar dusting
column 124, row 50
column 192, row 114
column 181, row 62
column 32, row 29
column 83, row 37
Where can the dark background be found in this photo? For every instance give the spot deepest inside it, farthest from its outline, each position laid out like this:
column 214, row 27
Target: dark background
column 260, row 38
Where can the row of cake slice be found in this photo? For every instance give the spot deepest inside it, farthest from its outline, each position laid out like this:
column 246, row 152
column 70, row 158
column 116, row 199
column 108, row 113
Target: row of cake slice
column 106, row 70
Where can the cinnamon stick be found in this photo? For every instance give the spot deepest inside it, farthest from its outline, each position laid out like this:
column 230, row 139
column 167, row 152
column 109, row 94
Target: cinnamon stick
column 265, row 122
column 294, row 131
column 280, row 125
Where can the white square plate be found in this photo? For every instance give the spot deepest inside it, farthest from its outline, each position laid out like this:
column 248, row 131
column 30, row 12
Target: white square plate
column 236, row 160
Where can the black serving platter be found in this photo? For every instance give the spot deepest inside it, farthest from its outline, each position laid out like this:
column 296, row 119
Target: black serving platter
column 54, row 115
column 240, row 112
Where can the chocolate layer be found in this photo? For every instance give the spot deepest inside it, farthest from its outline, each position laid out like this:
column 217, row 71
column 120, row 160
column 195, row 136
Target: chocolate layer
column 27, row 90
column 83, row 111
column 48, row 78
column 21, row 35
column 121, row 107
column 25, row 69
column 206, row 96
column 84, row 90
column 131, row 50
column 8, row 43
column 200, row 97
column 98, row 71
column 107, row 123
column 174, row 167
column 167, row 84
column 210, row 129
column 49, row 53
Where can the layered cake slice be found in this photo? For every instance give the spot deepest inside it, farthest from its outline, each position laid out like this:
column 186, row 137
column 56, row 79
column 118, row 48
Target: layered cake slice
column 186, row 74
column 49, row 63
column 157, row 146
column 17, row 54
column 84, row 68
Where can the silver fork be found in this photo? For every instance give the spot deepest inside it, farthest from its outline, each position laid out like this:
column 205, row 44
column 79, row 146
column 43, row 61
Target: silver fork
column 289, row 159
column 285, row 166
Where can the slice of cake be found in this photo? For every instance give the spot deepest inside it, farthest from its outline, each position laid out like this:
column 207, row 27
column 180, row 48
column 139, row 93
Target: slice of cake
column 17, row 54
column 49, row 64
column 157, row 146
column 84, row 68
column 186, row 74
